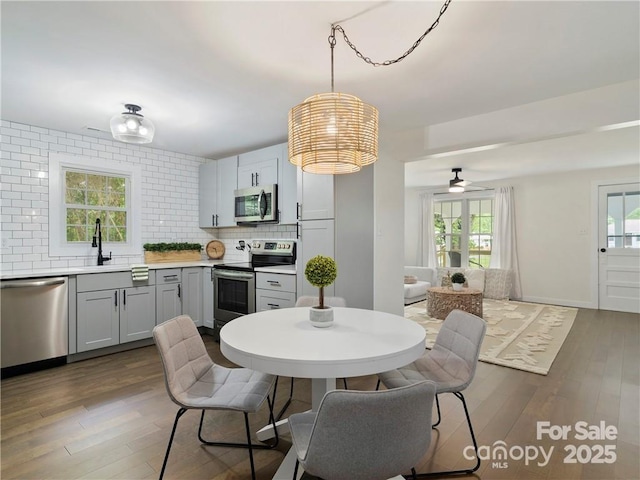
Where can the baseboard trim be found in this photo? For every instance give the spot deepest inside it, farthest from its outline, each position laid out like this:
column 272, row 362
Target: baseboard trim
column 560, row 302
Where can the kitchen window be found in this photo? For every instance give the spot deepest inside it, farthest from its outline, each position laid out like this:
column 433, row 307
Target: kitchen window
column 84, row 189
column 463, row 232
column 89, row 196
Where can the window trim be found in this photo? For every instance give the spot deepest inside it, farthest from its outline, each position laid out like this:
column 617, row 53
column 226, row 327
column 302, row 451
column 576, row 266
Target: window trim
column 58, row 247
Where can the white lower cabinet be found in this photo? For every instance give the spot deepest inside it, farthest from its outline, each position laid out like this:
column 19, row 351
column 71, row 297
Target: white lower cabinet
column 275, row 290
column 179, row 292
column 110, row 316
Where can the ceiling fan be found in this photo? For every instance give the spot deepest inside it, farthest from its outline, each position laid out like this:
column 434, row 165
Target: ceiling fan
column 456, row 184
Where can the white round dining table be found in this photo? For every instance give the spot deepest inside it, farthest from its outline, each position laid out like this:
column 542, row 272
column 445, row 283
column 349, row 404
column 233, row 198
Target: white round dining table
column 284, row 342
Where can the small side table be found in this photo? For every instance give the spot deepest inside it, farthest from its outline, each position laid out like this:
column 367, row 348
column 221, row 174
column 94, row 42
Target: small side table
column 441, row 300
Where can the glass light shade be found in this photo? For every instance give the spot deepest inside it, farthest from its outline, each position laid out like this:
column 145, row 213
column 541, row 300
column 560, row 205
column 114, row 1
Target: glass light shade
column 456, row 189
column 333, row 133
column 132, row 127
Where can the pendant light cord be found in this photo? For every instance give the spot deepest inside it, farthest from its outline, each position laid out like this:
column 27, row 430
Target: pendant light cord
column 386, row 63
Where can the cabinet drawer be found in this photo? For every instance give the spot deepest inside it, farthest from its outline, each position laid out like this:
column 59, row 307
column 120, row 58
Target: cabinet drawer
column 105, row 281
column 276, row 281
column 272, row 300
column 168, row 275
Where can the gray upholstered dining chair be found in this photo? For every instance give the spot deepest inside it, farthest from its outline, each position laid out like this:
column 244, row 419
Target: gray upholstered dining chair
column 451, row 364
column 310, row 301
column 193, row 381
column 364, row 435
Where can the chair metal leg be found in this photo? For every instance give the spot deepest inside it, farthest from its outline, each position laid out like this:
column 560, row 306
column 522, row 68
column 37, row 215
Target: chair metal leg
column 438, row 409
column 473, row 439
column 246, row 426
column 248, row 445
column 344, row 380
column 173, row 432
column 295, row 470
column 287, row 403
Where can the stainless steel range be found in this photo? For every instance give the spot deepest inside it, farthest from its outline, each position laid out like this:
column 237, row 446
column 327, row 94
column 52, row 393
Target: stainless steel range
column 235, row 283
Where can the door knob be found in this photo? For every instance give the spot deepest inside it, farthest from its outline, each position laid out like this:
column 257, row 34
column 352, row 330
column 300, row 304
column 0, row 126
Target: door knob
column 603, row 250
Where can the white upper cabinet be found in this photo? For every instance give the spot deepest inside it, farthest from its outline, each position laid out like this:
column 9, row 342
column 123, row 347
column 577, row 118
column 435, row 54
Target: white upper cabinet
column 315, row 196
column 259, row 167
column 217, row 180
column 225, row 186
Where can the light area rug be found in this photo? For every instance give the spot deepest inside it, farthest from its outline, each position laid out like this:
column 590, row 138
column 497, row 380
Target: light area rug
column 525, row 336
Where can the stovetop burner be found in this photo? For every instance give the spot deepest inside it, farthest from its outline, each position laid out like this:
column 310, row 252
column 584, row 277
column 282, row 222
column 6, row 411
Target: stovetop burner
column 265, row 253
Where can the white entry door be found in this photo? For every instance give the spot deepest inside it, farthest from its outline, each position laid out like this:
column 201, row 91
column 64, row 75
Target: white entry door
column 619, row 247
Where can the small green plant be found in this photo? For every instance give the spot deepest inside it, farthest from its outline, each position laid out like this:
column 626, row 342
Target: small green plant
column 321, row 272
column 167, row 247
column 458, row 277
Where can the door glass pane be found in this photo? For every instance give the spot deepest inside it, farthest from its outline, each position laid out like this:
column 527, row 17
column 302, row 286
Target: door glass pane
column 448, row 230
column 623, row 220
column 632, row 219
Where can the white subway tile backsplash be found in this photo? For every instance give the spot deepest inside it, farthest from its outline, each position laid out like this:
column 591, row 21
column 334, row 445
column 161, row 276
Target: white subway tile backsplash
column 169, row 191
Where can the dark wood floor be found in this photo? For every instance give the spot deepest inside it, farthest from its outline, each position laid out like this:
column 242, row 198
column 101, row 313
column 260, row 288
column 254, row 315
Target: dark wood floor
column 110, row 417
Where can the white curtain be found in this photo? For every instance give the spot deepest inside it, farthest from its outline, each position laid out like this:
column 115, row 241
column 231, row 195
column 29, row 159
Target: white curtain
column 427, row 243
column 504, row 253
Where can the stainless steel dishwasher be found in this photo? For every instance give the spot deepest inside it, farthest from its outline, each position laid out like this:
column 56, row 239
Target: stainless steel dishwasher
column 34, row 322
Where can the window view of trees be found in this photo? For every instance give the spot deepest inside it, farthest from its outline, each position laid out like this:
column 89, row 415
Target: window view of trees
column 90, row 196
column 464, row 232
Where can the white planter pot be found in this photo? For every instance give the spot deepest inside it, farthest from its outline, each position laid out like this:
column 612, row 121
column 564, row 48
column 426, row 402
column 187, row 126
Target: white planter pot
column 321, row 317
column 457, row 286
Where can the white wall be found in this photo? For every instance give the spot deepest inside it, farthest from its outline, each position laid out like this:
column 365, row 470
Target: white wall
column 169, row 197
column 554, row 222
column 389, row 234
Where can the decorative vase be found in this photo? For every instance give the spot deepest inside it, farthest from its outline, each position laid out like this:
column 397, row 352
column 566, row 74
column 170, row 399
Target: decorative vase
column 321, row 317
column 457, row 286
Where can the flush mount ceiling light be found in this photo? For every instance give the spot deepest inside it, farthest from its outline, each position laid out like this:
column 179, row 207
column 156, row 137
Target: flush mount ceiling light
column 456, row 185
column 132, row 127
column 333, row 133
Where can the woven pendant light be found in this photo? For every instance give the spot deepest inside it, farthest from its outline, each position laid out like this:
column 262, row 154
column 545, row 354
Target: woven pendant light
column 333, row 133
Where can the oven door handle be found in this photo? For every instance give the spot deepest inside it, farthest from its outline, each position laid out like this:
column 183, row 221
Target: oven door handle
column 233, row 275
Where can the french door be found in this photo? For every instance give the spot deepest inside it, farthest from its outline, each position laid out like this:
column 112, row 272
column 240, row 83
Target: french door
column 619, row 247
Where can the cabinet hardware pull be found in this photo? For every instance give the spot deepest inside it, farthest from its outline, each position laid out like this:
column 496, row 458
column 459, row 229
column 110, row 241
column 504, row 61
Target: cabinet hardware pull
column 216, row 219
column 124, row 298
column 273, row 282
column 115, row 297
column 178, row 290
column 298, row 205
column 297, row 230
column 257, row 179
column 213, row 220
column 252, row 184
column 273, row 305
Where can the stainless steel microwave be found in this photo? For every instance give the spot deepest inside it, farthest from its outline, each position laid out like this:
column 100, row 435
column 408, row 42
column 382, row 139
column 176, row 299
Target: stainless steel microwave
column 256, row 204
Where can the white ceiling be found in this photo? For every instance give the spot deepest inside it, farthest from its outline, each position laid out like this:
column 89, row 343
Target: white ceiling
column 219, row 78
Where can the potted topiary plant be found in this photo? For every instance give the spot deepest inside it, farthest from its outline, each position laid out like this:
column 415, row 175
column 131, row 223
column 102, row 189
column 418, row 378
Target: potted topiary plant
column 457, row 280
column 321, row 272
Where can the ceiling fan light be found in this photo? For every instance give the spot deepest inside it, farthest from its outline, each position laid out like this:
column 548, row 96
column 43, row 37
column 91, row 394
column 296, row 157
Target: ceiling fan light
column 132, row 127
column 456, row 185
column 333, row 133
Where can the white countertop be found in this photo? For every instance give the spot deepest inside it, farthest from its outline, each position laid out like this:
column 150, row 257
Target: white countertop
column 55, row 272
